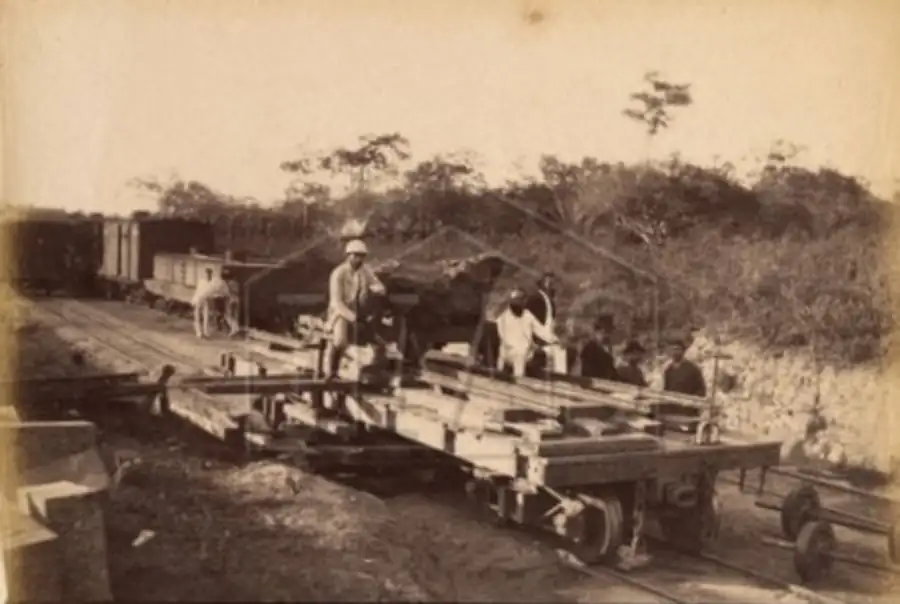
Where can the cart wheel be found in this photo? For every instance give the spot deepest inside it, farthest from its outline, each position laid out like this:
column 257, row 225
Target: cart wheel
column 894, row 543
column 596, row 533
column 692, row 529
column 801, row 505
column 814, row 550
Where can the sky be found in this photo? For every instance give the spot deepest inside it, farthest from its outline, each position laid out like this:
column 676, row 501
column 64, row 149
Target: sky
column 97, row 92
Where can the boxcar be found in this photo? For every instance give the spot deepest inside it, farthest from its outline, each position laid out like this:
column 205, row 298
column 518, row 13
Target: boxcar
column 47, row 255
column 129, row 246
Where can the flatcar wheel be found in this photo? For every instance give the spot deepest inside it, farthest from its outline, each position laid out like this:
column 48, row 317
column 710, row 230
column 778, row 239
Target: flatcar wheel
column 801, row 505
column 814, row 550
column 597, row 531
column 692, row 529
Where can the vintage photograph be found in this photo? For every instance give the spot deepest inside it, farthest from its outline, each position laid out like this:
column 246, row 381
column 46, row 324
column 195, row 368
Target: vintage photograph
column 506, row 300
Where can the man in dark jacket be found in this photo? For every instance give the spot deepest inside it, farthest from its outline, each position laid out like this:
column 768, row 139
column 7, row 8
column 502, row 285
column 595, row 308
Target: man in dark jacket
column 542, row 305
column 630, row 371
column 596, row 357
column 682, row 375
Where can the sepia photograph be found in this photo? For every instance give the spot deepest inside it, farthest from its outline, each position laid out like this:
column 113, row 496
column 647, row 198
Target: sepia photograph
column 576, row 301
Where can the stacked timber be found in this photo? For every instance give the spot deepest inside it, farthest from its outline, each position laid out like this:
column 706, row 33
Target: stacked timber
column 593, row 407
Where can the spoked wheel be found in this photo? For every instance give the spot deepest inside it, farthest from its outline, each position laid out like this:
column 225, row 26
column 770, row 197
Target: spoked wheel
column 596, row 532
column 814, row 550
column 802, row 505
column 693, row 529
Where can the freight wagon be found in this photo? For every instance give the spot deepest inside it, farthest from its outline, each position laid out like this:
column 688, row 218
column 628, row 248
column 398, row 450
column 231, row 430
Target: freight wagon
column 269, row 290
column 129, row 246
column 48, row 255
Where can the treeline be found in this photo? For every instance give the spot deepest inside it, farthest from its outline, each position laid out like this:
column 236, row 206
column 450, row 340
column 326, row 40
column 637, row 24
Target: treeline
column 795, row 258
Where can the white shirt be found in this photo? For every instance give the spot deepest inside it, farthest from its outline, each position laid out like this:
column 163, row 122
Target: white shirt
column 517, row 333
column 208, row 290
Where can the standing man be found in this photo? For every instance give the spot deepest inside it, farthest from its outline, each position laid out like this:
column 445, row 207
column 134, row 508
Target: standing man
column 596, row 357
column 517, row 329
column 209, row 289
column 630, row 371
column 682, row 375
column 349, row 286
column 542, row 306
column 201, row 303
column 232, row 310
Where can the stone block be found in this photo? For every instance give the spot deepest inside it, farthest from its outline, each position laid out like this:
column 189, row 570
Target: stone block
column 30, row 559
column 75, row 513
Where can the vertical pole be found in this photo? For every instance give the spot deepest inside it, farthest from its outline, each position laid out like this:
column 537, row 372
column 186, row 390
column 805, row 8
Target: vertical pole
column 656, row 327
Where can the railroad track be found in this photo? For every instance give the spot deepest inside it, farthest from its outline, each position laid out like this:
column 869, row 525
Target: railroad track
column 664, row 581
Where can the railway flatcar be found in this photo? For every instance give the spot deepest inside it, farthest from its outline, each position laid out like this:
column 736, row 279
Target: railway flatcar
column 129, row 246
column 49, row 255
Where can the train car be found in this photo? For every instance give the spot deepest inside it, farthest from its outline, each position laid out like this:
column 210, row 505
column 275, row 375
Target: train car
column 272, row 292
column 130, row 245
column 49, row 255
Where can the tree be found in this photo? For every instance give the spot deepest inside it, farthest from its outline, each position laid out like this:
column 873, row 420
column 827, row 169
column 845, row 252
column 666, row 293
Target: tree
column 373, row 153
column 184, row 198
column 656, row 103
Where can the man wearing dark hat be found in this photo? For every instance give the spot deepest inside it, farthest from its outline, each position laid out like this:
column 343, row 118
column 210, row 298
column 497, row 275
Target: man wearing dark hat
column 596, row 357
column 630, row 371
column 682, row 375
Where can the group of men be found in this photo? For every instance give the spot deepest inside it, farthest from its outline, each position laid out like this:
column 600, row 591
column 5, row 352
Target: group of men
column 528, row 344
column 526, row 330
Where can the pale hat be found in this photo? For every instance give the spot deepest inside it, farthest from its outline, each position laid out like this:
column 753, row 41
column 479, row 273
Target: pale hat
column 356, row 246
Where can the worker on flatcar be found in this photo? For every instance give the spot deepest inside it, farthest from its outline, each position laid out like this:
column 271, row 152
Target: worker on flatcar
column 630, row 371
column 682, row 375
column 517, row 329
column 349, row 287
column 597, row 360
column 542, row 305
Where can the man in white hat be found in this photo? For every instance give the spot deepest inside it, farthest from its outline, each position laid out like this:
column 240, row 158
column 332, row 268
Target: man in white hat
column 349, row 286
column 517, row 328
